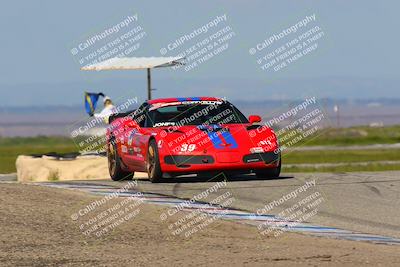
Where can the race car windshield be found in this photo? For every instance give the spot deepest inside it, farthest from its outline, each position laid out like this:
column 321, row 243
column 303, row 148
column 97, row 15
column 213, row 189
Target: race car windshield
column 195, row 114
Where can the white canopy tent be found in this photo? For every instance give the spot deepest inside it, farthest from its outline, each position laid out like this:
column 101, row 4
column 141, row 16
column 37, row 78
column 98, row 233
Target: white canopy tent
column 136, row 63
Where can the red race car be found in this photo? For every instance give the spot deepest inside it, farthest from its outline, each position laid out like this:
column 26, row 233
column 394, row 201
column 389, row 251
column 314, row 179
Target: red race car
column 177, row 136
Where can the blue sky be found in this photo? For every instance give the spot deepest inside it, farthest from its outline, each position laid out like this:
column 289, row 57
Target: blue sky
column 356, row 58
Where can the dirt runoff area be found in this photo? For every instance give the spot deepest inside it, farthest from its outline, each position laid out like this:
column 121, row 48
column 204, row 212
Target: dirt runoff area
column 36, row 229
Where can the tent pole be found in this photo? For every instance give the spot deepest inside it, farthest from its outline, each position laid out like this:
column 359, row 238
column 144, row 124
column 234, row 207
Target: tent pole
column 148, row 84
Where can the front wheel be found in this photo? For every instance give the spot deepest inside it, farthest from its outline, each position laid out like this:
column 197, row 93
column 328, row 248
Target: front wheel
column 153, row 163
column 270, row 173
column 114, row 164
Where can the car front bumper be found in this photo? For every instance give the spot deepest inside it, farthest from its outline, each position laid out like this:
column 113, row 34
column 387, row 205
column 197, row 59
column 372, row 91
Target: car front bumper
column 223, row 161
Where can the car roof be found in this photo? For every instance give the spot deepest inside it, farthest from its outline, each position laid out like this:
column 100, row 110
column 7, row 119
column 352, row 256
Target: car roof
column 182, row 99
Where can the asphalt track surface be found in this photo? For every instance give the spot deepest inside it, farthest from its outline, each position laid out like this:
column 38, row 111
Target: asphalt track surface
column 365, row 202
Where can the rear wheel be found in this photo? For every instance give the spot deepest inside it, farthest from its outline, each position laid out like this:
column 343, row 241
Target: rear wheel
column 153, row 163
column 114, row 164
column 270, row 172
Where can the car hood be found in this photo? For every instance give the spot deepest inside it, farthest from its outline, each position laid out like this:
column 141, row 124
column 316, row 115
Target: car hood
column 190, row 139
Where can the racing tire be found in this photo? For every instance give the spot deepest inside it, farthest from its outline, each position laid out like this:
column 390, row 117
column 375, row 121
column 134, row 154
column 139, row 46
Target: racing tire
column 115, row 164
column 270, row 173
column 153, row 163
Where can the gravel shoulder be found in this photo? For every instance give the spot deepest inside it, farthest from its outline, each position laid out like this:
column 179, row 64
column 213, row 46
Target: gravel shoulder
column 36, row 229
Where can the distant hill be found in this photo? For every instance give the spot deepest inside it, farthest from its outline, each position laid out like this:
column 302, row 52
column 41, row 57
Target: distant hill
column 57, row 120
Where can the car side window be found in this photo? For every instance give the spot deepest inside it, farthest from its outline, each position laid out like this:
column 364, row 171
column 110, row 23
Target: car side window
column 140, row 115
column 149, row 121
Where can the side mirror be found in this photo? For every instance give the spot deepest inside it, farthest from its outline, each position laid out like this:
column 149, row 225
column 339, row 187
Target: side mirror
column 254, row 118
